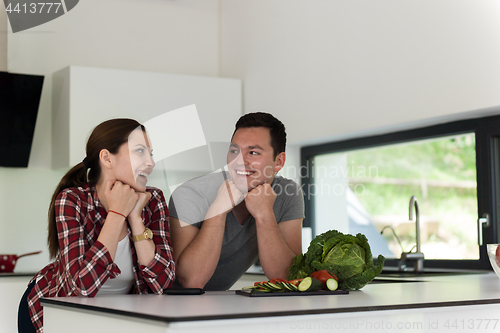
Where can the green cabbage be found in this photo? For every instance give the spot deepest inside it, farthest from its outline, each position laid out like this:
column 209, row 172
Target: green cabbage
column 348, row 257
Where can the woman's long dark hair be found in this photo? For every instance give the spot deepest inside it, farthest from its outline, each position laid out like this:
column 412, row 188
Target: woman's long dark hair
column 110, row 135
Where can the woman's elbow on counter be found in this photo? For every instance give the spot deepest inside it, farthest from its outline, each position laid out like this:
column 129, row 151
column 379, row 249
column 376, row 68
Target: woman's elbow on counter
column 191, row 282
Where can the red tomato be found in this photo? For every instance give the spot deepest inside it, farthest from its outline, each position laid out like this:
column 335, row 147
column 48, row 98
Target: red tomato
column 257, row 283
column 323, row 276
column 295, row 282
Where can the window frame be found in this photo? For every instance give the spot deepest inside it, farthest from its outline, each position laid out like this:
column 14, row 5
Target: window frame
column 487, row 136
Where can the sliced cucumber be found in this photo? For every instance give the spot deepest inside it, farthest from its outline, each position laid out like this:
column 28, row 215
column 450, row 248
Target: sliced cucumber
column 263, row 286
column 282, row 286
column 272, row 286
column 332, row 284
column 257, row 291
column 249, row 287
column 310, row 284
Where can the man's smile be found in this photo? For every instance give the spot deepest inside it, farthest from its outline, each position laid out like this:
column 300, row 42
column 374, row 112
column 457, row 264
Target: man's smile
column 244, row 172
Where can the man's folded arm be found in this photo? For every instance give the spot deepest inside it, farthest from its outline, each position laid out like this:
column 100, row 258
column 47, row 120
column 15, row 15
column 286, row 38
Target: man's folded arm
column 278, row 244
column 197, row 251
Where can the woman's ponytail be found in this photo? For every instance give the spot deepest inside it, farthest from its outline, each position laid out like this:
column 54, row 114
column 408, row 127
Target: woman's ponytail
column 77, row 176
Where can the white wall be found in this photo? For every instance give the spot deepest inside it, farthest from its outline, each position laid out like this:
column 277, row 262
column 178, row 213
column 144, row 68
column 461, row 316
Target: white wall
column 158, row 36
column 3, row 39
column 328, row 68
column 151, row 35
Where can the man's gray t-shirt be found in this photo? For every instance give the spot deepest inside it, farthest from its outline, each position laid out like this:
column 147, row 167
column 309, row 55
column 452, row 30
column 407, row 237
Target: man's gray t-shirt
column 190, row 202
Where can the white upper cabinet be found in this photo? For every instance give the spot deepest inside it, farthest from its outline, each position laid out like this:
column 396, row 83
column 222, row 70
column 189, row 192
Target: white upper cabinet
column 83, row 97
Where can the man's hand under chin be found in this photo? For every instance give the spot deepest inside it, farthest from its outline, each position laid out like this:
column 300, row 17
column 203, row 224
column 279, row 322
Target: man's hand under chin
column 260, row 200
column 228, row 196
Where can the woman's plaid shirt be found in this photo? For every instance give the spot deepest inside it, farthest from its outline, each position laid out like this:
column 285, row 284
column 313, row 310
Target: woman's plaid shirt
column 84, row 264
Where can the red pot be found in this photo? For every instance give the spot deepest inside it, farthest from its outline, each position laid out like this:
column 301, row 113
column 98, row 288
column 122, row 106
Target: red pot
column 8, row 261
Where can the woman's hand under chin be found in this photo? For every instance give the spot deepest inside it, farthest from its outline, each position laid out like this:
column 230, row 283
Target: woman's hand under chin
column 120, row 197
column 142, row 201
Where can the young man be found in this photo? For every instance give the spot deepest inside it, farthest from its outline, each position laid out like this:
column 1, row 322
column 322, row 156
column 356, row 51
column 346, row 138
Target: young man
column 222, row 223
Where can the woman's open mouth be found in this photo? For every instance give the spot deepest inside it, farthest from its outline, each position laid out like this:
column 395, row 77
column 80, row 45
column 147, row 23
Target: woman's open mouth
column 143, row 174
column 142, row 177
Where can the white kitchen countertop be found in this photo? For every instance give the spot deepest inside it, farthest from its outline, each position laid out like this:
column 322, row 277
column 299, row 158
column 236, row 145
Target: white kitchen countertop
column 431, row 292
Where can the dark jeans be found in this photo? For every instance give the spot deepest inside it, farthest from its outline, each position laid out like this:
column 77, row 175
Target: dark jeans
column 24, row 324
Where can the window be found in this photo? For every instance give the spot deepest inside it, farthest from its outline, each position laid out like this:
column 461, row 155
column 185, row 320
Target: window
column 364, row 185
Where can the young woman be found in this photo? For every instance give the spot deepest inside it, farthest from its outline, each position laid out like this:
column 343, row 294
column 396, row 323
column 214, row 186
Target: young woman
column 108, row 233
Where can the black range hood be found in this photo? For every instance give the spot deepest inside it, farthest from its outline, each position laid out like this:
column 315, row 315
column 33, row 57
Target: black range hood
column 19, row 101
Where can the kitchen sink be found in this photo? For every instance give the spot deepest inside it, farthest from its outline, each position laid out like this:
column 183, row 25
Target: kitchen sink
column 379, row 280
column 428, row 272
column 395, row 276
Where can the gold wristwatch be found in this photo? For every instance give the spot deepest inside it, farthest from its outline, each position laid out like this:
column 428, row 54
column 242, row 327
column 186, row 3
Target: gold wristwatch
column 148, row 234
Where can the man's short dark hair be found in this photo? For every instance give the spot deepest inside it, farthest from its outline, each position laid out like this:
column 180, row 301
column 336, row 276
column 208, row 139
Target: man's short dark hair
column 262, row 119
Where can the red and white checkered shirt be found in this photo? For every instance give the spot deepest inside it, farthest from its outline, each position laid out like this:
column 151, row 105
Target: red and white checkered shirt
column 84, row 264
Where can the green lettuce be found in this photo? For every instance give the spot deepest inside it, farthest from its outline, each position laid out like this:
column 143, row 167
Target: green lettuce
column 348, row 257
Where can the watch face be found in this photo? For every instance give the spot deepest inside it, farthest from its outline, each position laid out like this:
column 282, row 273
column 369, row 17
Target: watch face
column 148, row 233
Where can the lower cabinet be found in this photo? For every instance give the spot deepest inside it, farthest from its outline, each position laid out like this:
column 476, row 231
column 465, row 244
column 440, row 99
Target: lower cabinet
column 11, row 290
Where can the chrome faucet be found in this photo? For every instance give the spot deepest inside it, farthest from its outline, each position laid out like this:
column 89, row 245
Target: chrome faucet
column 395, row 235
column 417, row 256
column 414, row 203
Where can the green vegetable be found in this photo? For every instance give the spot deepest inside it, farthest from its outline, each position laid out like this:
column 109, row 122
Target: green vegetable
column 332, row 284
column 258, row 291
column 310, row 284
column 348, row 257
column 249, row 287
column 273, row 287
column 287, row 286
